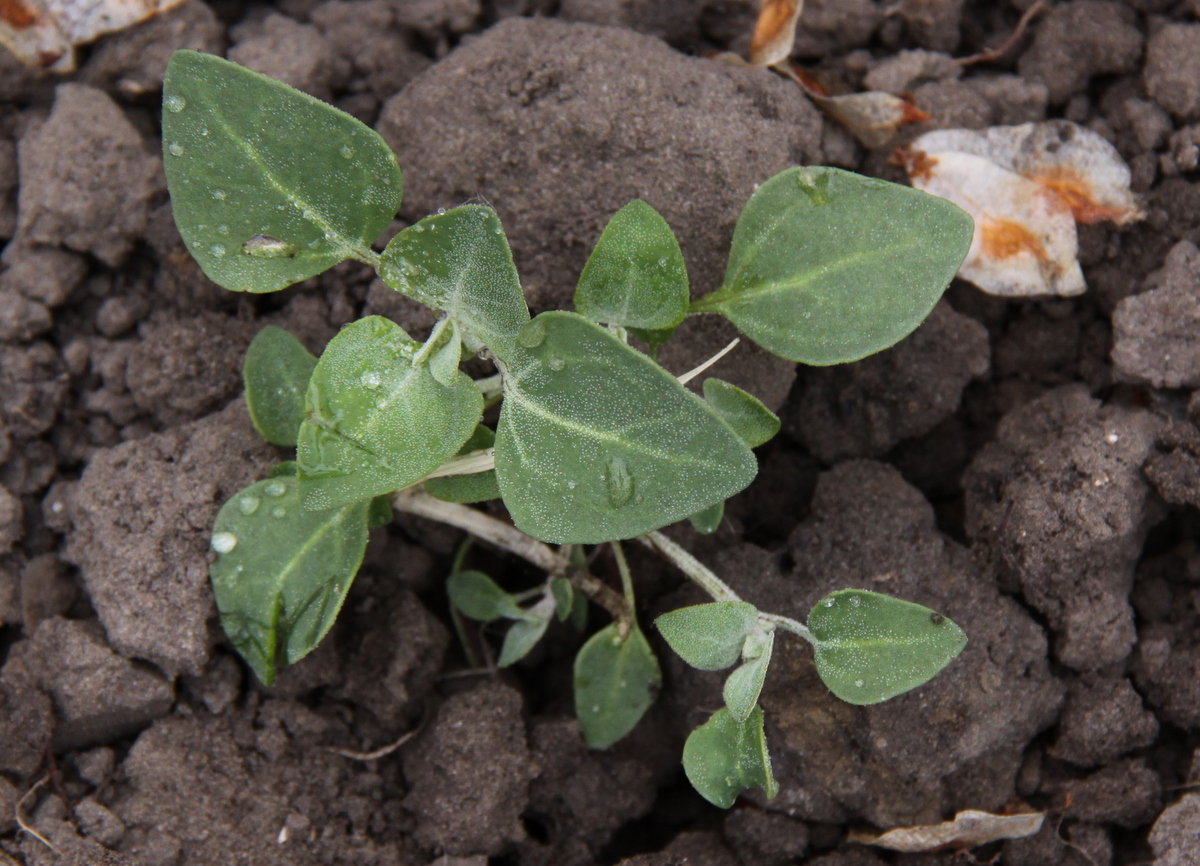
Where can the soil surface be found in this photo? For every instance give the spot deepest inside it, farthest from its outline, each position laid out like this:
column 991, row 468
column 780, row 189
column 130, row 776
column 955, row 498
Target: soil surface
column 1030, row 467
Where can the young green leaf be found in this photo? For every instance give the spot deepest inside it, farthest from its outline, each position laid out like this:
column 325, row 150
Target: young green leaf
column 635, row 276
column 615, row 683
column 597, row 442
column 708, row 520
column 478, row 596
column 564, row 597
column 871, row 647
column 375, row 421
column 709, row 636
column 445, row 357
column 524, row 634
column 379, row 513
column 724, row 757
column 829, row 266
column 286, row 469
column 269, row 186
column 459, row 261
column 281, row 573
column 276, row 373
column 742, row 687
column 476, row 487
column 742, row 411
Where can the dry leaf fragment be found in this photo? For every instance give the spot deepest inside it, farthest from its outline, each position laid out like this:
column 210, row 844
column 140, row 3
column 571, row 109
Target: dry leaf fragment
column 873, row 117
column 775, row 32
column 1026, row 187
column 968, row 829
column 44, row 33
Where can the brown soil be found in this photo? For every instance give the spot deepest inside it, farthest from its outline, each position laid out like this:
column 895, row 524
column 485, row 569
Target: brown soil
column 1032, row 468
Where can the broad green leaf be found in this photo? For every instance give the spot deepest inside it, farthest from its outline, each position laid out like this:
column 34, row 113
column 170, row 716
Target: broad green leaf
column 276, row 373
column 708, row 520
column 597, row 442
column 476, row 487
column 742, row 411
column 524, row 634
column 564, row 597
column 744, row 684
column 459, row 261
column 615, row 683
column 635, row 276
column 379, row 513
column 724, row 757
column 828, row 266
column 709, row 636
column 871, row 647
column 269, row 186
column 375, row 422
column 478, row 596
column 281, row 573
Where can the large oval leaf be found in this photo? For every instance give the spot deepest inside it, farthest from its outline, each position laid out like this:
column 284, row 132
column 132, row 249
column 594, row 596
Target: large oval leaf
column 269, row 186
column 635, row 276
column 828, row 266
column 281, row 573
column 459, row 261
column 724, row 757
column 871, row 647
column 597, row 442
column 376, row 422
column 276, row 373
column 616, row 681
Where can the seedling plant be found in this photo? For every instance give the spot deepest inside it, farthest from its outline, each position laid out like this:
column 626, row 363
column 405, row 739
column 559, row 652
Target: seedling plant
column 595, row 443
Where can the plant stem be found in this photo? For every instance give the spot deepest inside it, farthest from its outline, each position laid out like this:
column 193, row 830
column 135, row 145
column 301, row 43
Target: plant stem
column 368, row 257
column 626, row 577
column 692, row 374
column 690, row 566
column 788, row 624
column 506, row 537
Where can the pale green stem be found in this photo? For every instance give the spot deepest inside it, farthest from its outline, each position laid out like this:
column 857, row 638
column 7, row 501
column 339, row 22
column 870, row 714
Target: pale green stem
column 490, row 385
column 788, row 624
column 368, row 257
column 692, row 567
column 626, row 576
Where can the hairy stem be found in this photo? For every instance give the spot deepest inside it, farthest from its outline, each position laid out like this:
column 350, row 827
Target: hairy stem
column 788, row 624
column 689, row 565
column 626, row 576
column 502, row 535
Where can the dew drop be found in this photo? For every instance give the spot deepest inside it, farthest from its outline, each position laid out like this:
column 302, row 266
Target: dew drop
column 556, row 364
column 279, row 511
column 571, row 485
column 441, row 211
column 219, row 194
column 858, row 683
column 217, row 250
column 248, row 504
column 224, row 542
column 371, row 379
column 175, row 104
column 662, row 263
column 829, row 602
column 275, row 488
column 346, row 151
column 222, row 230
column 175, row 148
column 532, row 334
column 854, row 601
column 619, row 483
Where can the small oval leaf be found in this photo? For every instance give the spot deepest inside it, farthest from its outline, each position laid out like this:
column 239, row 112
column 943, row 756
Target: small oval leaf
column 709, row 636
column 478, row 596
column 829, row 266
column 281, row 573
column 269, row 186
column 724, row 757
column 524, row 634
column 743, row 685
column 276, row 373
column 871, row 647
column 742, row 411
column 636, row 276
column 708, row 521
column 615, row 683
column 564, row 597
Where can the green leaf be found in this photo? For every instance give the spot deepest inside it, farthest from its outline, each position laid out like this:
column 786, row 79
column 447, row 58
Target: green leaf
column 459, row 262
column 654, row 337
column 281, row 573
column 379, row 513
column 828, row 266
column 709, row 636
column 742, row 687
column 286, row 469
column 268, row 185
column 742, row 411
column 476, row 487
column 276, row 373
column 523, row 635
column 615, row 683
column 635, row 276
column 871, row 647
column 724, row 757
column 445, row 357
column 597, row 442
column 478, row 596
column 579, row 611
column 564, row 597
column 375, row 421
column 708, row 520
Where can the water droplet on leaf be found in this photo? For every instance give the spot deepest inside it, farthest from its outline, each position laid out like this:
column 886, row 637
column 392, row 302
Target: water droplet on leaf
column 532, row 334
column 224, row 542
column 556, row 364
column 371, row 379
column 275, row 488
column 175, row 104
column 248, row 504
column 619, row 483
column 346, row 151
column 217, row 250
column 175, row 148
column 279, row 511
column 219, row 194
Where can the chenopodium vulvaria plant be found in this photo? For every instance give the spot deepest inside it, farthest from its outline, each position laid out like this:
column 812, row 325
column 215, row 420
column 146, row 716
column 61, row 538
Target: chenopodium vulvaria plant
column 595, row 443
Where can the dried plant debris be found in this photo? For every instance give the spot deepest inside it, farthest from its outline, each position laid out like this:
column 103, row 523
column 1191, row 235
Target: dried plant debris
column 968, row 829
column 873, row 117
column 1026, row 186
column 775, row 32
column 44, row 33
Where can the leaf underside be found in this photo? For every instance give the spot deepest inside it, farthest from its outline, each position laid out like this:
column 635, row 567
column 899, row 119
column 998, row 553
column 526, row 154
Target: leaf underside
column 276, row 373
column 724, row 757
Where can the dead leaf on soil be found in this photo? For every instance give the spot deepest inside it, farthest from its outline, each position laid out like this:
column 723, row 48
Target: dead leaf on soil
column 1026, row 187
column 968, row 829
column 774, row 32
column 873, row 117
column 44, row 33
